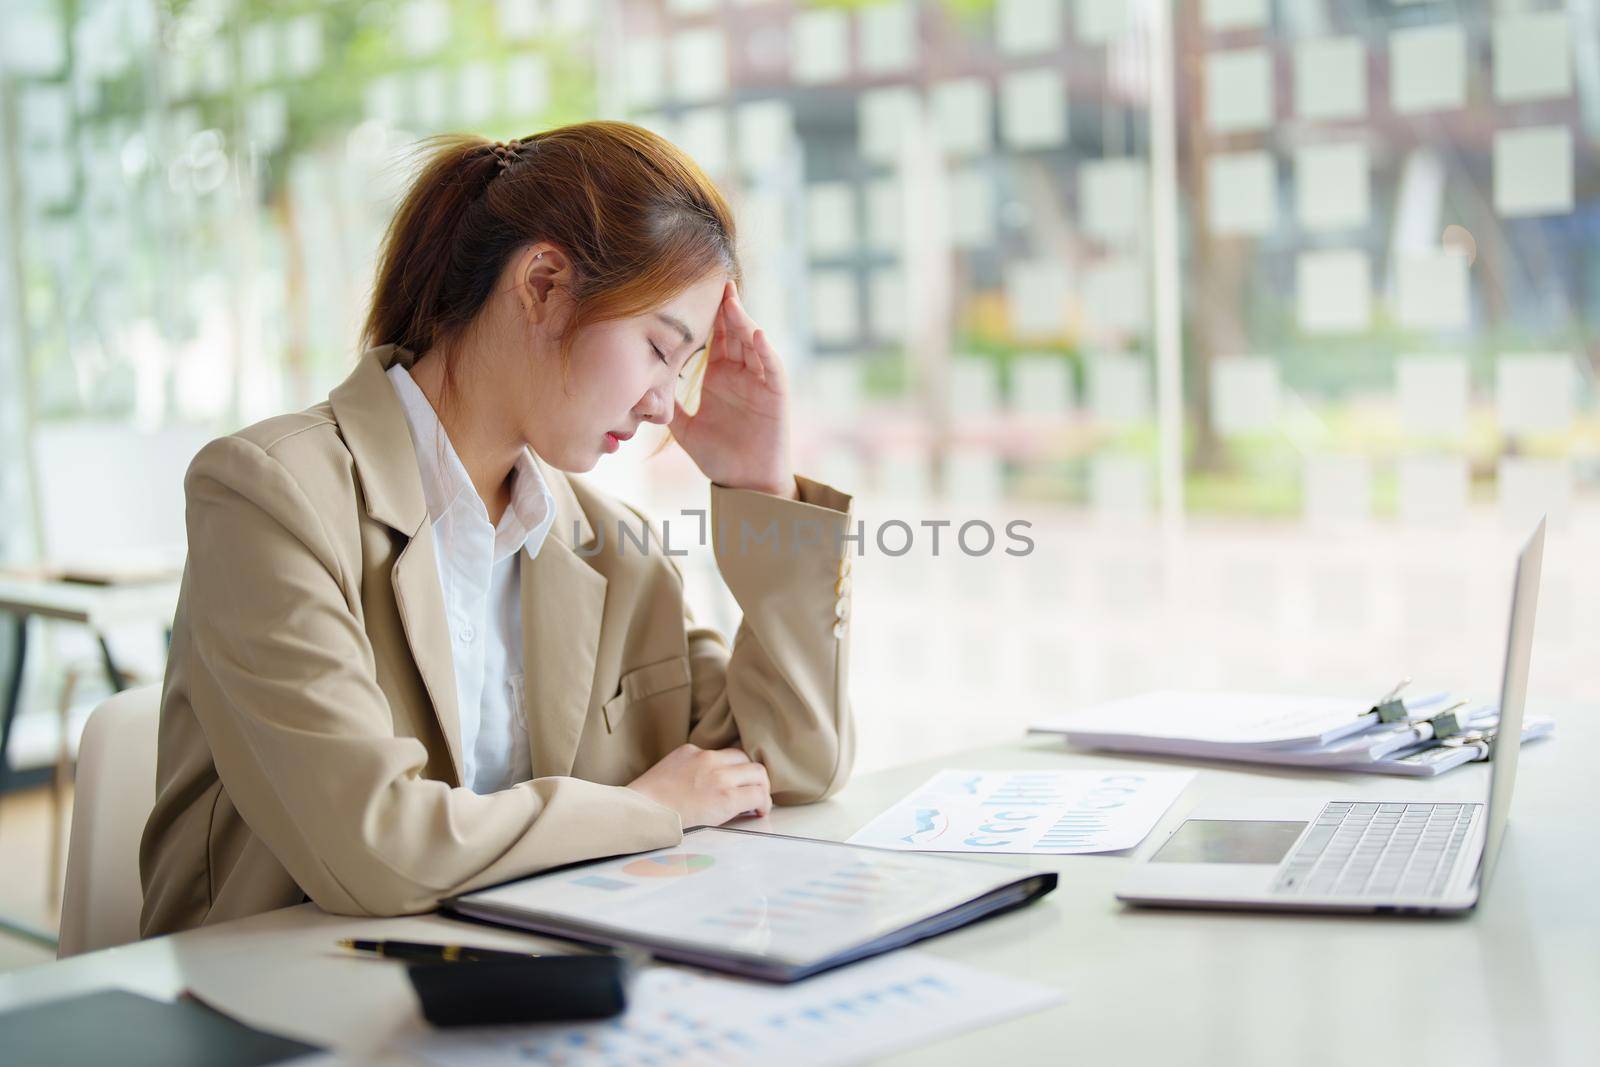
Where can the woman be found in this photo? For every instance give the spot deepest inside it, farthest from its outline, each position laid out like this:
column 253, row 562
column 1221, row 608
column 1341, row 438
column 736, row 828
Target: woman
column 412, row 657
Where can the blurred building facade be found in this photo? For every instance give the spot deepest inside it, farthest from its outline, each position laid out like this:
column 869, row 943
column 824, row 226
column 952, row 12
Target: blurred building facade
column 1313, row 264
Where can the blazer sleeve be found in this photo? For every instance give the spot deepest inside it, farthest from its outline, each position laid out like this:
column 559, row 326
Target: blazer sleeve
column 781, row 692
column 302, row 736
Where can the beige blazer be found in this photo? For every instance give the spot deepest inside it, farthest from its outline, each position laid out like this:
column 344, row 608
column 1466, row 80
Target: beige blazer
column 310, row 745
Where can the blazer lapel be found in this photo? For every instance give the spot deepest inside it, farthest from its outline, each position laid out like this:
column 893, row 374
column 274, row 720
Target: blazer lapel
column 563, row 609
column 422, row 615
column 373, row 425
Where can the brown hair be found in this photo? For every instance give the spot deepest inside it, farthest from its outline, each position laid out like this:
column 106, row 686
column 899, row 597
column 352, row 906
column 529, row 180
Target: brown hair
column 637, row 218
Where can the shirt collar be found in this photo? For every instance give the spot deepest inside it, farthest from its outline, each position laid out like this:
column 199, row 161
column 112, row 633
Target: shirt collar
column 446, row 486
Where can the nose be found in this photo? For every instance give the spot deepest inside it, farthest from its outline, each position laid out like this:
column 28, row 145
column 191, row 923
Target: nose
column 656, row 406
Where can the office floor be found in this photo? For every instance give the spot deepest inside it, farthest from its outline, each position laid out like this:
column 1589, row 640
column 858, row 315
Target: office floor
column 955, row 651
column 25, row 848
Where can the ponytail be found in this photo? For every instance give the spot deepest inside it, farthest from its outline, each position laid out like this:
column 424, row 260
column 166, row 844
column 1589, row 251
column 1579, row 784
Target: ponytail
column 638, row 219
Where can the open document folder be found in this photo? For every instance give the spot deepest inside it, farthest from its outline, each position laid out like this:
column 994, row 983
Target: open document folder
column 760, row 905
column 1333, row 733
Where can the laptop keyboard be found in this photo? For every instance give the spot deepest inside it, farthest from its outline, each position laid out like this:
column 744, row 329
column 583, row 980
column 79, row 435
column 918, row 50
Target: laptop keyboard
column 1377, row 850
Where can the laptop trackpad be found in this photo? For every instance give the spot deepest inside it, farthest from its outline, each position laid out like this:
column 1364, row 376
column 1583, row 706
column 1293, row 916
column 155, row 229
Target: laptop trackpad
column 1229, row 841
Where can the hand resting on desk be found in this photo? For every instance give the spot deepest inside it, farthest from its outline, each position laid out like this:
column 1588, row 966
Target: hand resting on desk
column 707, row 787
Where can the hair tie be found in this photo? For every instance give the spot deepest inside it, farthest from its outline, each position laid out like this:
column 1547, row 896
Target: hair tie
column 508, row 152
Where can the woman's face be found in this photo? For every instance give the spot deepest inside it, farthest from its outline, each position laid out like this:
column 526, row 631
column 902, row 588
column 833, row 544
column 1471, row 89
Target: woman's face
column 622, row 373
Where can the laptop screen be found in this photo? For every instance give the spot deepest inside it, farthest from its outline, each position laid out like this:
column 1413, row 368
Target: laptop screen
column 1503, row 750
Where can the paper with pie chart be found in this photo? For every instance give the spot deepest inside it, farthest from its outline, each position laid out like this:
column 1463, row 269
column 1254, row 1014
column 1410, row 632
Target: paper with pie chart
column 1035, row 812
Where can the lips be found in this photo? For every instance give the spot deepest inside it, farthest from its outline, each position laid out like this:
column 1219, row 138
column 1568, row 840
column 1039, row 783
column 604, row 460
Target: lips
column 620, row 436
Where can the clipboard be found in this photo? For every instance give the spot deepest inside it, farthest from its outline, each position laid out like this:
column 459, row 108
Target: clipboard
column 760, row 905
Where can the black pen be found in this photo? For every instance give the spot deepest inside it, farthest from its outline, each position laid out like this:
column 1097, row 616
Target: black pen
column 418, row 952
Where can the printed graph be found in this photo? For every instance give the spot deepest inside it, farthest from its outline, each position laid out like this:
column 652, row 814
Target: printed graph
column 1052, row 812
column 848, row 893
column 928, row 824
column 672, row 865
column 1019, row 790
column 596, row 881
column 1075, row 829
column 677, row 1017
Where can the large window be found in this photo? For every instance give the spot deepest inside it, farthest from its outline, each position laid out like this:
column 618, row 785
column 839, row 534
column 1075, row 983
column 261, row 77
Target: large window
column 1303, row 268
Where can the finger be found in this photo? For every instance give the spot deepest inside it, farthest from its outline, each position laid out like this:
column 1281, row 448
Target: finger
column 726, row 346
column 771, row 366
column 744, row 774
column 740, row 324
column 740, row 319
column 717, row 346
column 751, row 336
column 764, row 347
column 752, row 358
column 727, row 757
column 743, row 346
column 745, row 800
column 717, row 343
column 733, row 351
column 753, row 798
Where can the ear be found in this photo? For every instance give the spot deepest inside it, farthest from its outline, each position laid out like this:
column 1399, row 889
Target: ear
column 541, row 269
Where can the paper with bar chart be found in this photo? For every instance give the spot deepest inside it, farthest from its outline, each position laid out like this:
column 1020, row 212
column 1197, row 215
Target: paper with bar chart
column 1038, row 812
column 678, row 1017
column 756, row 894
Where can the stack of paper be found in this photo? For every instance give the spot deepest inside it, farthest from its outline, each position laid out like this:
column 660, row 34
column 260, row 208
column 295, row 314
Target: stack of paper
column 1330, row 732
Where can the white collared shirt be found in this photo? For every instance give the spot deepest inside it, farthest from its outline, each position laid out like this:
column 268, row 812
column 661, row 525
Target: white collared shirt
column 479, row 574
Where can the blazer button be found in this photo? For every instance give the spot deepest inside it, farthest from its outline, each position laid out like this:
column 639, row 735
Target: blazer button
column 844, row 566
column 842, row 586
column 841, row 609
column 838, row 629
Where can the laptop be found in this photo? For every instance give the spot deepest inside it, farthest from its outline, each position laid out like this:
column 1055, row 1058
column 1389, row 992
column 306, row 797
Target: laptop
column 1363, row 855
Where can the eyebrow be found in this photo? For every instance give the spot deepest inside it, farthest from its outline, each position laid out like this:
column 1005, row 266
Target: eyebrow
column 677, row 324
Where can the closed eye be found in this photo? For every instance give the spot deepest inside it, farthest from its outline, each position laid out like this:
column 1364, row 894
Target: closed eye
column 683, row 372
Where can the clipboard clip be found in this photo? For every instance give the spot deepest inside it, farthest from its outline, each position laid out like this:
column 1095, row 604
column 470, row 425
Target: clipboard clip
column 1445, row 724
column 1482, row 740
column 1390, row 708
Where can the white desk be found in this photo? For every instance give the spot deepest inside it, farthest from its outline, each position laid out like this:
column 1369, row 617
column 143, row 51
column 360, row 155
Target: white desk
column 1518, row 982
column 99, row 607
